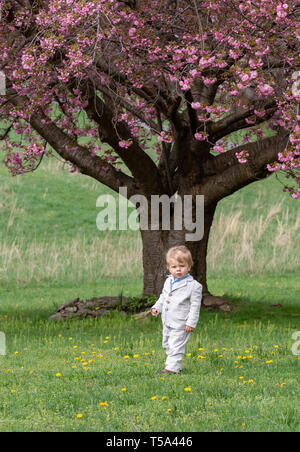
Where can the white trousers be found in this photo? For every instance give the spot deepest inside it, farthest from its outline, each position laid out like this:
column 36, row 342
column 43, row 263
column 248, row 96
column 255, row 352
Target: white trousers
column 174, row 342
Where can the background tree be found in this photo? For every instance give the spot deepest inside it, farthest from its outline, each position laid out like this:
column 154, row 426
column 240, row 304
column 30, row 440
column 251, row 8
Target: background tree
column 105, row 82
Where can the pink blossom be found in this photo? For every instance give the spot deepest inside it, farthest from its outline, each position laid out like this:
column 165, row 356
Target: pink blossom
column 125, row 144
column 201, row 136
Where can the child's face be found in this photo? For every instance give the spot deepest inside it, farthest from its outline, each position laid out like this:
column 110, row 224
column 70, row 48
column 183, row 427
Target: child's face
column 178, row 269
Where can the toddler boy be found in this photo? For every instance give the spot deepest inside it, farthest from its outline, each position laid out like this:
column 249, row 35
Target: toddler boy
column 179, row 304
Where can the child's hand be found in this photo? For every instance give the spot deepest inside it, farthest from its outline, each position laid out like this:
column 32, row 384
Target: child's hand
column 189, row 329
column 154, row 312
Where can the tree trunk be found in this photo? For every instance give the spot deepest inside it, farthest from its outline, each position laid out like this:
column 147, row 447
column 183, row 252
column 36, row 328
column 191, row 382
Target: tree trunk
column 155, row 247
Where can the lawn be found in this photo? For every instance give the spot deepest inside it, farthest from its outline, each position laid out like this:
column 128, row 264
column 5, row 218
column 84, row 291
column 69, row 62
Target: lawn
column 239, row 372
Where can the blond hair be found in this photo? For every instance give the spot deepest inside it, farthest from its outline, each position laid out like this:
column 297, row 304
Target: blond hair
column 181, row 253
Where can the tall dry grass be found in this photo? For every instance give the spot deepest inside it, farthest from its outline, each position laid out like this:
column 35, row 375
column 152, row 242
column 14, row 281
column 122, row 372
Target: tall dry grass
column 265, row 242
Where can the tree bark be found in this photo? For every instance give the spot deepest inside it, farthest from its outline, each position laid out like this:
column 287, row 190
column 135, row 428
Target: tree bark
column 155, row 247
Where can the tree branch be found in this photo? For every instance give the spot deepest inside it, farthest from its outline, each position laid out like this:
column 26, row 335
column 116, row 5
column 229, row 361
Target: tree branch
column 79, row 156
column 230, row 175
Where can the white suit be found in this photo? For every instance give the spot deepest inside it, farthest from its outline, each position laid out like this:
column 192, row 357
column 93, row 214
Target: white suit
column 179, row 306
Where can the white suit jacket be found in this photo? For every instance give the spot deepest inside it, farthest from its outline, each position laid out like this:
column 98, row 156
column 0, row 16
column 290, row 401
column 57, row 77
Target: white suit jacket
column 181, row 305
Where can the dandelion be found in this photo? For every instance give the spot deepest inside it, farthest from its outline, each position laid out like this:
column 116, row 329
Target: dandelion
column 126, row 357
column 153, row 397
column 104, row 405
column 58, row 374
column 164, row 398
column 188, row 389
column 12, row 391
column 136, row 356
column 269, row 362
column 169, row 410
column 123, row 389
column 79, row 415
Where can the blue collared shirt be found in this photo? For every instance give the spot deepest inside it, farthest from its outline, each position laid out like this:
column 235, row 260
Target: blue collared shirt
column 174, row 281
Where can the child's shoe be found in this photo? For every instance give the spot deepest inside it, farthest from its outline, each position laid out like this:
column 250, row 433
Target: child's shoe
column 165, row 371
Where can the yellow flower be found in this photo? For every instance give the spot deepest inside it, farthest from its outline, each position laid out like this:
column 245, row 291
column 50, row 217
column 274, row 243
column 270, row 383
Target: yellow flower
column 135, row 356
column 188, row 354
column 153, row 397
column 126, row 357
column 124, row 389
column 79, row 415
column 269, row 362
column 12, row 391
column 58, row 374
column 169, row 410
column 201, row 357
column 188, row 389
column 105, row 404
column 283, row 384
column 164, row 398
column 105, row 342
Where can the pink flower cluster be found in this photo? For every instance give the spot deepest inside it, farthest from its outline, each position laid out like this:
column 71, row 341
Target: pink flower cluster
column 145, row 58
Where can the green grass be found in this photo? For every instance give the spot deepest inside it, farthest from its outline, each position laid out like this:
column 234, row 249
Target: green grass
column 51, row 252
column 241, row 344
